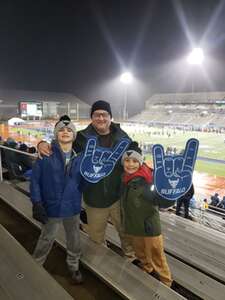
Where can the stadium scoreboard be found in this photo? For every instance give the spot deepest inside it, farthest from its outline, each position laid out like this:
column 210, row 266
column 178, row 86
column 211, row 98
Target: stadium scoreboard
column 30, row 109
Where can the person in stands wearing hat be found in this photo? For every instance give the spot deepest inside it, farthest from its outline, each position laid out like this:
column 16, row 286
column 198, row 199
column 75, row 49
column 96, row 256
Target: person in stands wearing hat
column 101, row 199
column 56, row 191
column 140, row 214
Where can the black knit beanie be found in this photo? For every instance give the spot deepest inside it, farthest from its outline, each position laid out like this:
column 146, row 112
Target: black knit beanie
column 102, row 105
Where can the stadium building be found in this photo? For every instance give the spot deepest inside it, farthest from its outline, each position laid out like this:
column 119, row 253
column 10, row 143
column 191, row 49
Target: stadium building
column 196, row 110
column 41, row 105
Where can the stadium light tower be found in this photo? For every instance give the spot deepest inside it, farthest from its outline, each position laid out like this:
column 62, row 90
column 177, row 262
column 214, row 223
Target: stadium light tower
column 126, row 79
column 196, row 57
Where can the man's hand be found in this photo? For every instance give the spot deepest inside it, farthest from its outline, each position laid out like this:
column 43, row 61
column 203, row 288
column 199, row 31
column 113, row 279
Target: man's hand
column 44, row 148
column 99, row 162
column 173, row 174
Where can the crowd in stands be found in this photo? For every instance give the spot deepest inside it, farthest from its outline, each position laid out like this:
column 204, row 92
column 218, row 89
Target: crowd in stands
column 217, row 201
column 18, row 165
column 183, row 109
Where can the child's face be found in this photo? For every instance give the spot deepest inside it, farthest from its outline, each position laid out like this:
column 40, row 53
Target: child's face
column 65, row 135
column 131, row 165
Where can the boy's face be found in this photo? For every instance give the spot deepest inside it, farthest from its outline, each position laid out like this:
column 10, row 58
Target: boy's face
column 131, row 165
column 65, row 135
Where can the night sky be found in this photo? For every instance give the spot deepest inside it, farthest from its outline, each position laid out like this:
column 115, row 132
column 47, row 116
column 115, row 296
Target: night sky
column 81, row 47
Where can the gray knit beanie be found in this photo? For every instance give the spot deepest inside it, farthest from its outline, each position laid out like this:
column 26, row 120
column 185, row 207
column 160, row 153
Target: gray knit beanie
column 64, row 121
column 133, row 151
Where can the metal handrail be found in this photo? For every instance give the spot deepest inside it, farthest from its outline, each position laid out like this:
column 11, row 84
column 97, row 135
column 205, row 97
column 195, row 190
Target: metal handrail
column 15, row 150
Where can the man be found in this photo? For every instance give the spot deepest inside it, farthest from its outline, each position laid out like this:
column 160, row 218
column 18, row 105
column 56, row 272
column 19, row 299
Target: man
column 101, row 199
column 56, row 192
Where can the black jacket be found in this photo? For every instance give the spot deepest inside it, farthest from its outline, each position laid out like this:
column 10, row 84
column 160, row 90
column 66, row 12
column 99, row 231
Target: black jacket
column 106, row 192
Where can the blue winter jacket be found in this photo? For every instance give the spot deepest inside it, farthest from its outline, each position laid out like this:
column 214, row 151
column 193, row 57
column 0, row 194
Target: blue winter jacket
column 57, row 186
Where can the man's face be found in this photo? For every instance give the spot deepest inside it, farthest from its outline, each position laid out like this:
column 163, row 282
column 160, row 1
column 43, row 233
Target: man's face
column 101, row 121
column 65, row 135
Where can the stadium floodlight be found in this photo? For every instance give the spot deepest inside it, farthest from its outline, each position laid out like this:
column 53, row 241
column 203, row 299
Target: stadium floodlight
column 126, row 78
column 196, row 56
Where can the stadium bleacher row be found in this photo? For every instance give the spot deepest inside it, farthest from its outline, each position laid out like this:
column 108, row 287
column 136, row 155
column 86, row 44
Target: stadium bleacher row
column 200, row 109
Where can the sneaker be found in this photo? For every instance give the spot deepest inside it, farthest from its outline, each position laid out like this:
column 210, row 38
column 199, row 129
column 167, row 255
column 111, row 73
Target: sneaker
column 77, row 277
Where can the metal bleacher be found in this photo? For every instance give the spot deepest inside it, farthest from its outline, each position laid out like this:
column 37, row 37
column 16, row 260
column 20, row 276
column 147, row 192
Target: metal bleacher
column 195, row 254
column 21, row 278
column 125, row 278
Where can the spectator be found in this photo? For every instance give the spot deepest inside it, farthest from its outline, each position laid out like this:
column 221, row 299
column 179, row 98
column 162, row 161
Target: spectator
column 9, row 158
column 32, row 150
column 56, row 187
column 101, row 199
column 215, row 199
column 140, row 215
column 205, row 204
column 193, row 203
column 222, row 203
column 25, row 161
column 185, row 200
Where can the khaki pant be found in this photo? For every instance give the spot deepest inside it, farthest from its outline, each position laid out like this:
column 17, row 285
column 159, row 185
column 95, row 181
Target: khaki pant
column 150, row 251
column 97, row 222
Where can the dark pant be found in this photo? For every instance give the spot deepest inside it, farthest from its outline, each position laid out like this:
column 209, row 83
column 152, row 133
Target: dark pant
column 186, row 203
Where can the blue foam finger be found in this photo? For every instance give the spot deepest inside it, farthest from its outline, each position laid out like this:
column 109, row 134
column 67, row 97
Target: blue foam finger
column 172, row 178
column 102, row 161
column 119, row 149
column 168, row 166
column 158, row 156
column 190, row 154
column 105, row 156
column 90, row 147
column 178, row 164
column 96, row 156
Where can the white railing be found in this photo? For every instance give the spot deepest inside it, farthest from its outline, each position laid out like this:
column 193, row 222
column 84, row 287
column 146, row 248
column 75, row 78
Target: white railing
column 14, row 150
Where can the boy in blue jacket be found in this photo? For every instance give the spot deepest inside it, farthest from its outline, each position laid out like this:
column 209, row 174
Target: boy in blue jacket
column 56, row 190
